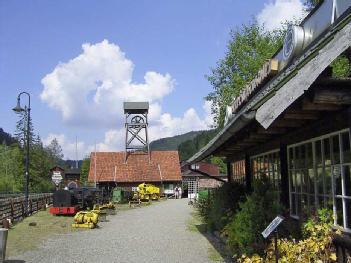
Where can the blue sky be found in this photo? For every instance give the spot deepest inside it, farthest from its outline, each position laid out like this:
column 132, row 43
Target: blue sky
column 147, row 50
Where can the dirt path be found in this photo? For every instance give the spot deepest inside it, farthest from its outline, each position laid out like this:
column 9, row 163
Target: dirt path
column 159, row 233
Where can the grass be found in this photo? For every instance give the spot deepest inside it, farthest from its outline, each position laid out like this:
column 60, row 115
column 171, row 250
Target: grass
column 195, row 223
column 22, row 237
column 214, row 255
column 216, row 252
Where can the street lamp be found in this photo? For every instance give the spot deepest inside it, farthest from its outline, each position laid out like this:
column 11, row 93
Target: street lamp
column 19, row 109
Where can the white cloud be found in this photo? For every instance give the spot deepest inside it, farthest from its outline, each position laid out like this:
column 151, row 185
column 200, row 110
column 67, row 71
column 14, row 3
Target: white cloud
column 208, row 114
column 276, row 12
column 89, row 91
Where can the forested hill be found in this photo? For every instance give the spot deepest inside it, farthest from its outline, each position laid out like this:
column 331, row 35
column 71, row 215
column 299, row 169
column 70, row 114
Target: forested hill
column 190, row 147
column 6, row 137
column 172, row 143
column 187, row 144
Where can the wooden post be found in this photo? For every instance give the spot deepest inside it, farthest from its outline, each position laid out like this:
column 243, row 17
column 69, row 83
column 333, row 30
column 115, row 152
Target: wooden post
column 229, row 172
column 283, row 155
column 248, row 174
column 22, row 208
column 30, row 206
column 12, row 210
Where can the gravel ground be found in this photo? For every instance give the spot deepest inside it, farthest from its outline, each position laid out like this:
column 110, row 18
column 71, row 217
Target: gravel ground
column 158, row 233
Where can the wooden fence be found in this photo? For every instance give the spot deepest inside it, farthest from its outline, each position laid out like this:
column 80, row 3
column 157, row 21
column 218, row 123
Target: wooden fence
column 13, row 207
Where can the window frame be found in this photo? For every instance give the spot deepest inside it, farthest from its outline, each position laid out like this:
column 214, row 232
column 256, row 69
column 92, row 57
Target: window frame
column 338, row 164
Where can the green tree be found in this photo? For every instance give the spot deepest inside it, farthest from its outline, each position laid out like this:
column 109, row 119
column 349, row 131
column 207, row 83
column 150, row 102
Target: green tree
column 40, row 165
column 54, row 149
column 84, row 173
column 40, row 159
column 11, row 168
column 220, row 163
column 341, row 67
column 248, row 48
column 21, row 129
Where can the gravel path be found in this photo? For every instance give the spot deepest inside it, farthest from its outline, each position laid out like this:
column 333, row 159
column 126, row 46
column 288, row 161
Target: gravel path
column 158, row 233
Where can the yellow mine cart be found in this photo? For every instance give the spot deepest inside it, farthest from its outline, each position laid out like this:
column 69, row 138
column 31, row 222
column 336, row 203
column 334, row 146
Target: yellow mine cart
column 85, row 219
column 147, row 192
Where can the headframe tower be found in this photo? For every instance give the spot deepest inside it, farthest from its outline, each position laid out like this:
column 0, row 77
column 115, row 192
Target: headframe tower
column 136, row 128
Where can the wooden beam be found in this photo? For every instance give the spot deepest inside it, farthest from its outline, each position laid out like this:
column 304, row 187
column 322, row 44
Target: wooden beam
column 272, row 130
column 292, row 123
column 233, row 148
column 301, row 115
column 307, row 105
column 254, row 136
column 255, row 140
column 245, row 143
column 226, row 153
column 332, row 96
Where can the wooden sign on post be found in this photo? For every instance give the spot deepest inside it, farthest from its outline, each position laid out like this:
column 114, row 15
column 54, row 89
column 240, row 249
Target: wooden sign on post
column 56, row 177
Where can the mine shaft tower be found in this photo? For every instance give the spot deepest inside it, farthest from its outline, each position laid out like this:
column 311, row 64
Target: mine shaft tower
column 136, row 128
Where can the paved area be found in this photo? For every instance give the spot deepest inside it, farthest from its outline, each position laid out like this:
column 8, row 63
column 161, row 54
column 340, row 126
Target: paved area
column 158, row 233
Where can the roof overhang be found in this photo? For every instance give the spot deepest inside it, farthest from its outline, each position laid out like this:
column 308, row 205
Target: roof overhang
column 289, row 85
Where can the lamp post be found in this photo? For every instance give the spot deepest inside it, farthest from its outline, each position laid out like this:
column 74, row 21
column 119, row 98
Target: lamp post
column 19, row 109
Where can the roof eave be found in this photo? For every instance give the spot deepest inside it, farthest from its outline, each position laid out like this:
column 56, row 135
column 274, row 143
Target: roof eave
column 238, row 122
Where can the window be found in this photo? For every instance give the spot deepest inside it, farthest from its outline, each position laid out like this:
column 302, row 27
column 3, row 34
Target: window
column 238, row 171
column 195, row 166
column 320, row 176
column 192, row 185
column 267, row 165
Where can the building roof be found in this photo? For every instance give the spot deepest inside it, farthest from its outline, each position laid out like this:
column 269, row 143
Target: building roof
column 164, row 166
column 274, row 98
column 73, row 171
column 208, row 168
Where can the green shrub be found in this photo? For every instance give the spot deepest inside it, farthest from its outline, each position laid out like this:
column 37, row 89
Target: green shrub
column 259, row 208
column 218, row 207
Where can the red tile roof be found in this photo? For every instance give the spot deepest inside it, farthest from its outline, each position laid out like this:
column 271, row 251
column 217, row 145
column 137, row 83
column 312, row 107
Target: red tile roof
column 164, row 166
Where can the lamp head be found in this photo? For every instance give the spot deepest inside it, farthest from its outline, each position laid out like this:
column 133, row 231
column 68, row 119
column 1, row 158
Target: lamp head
column 18, row 107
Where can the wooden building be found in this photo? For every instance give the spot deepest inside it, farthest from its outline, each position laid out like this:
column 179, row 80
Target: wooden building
column 201, row 175
column 110, row 169
column 292, row 123
column 70, row 177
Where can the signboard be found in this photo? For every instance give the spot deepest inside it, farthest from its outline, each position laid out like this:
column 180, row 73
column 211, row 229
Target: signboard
column 272, row 226
column 269, row 69
column 56, row 177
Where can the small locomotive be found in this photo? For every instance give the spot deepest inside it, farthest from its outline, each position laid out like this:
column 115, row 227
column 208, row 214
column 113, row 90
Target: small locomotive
column 69, row 202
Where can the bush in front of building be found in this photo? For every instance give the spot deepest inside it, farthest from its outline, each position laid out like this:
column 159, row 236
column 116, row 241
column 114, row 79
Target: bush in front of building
column 217, row 208
column 316, row 246
column 254, row 214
